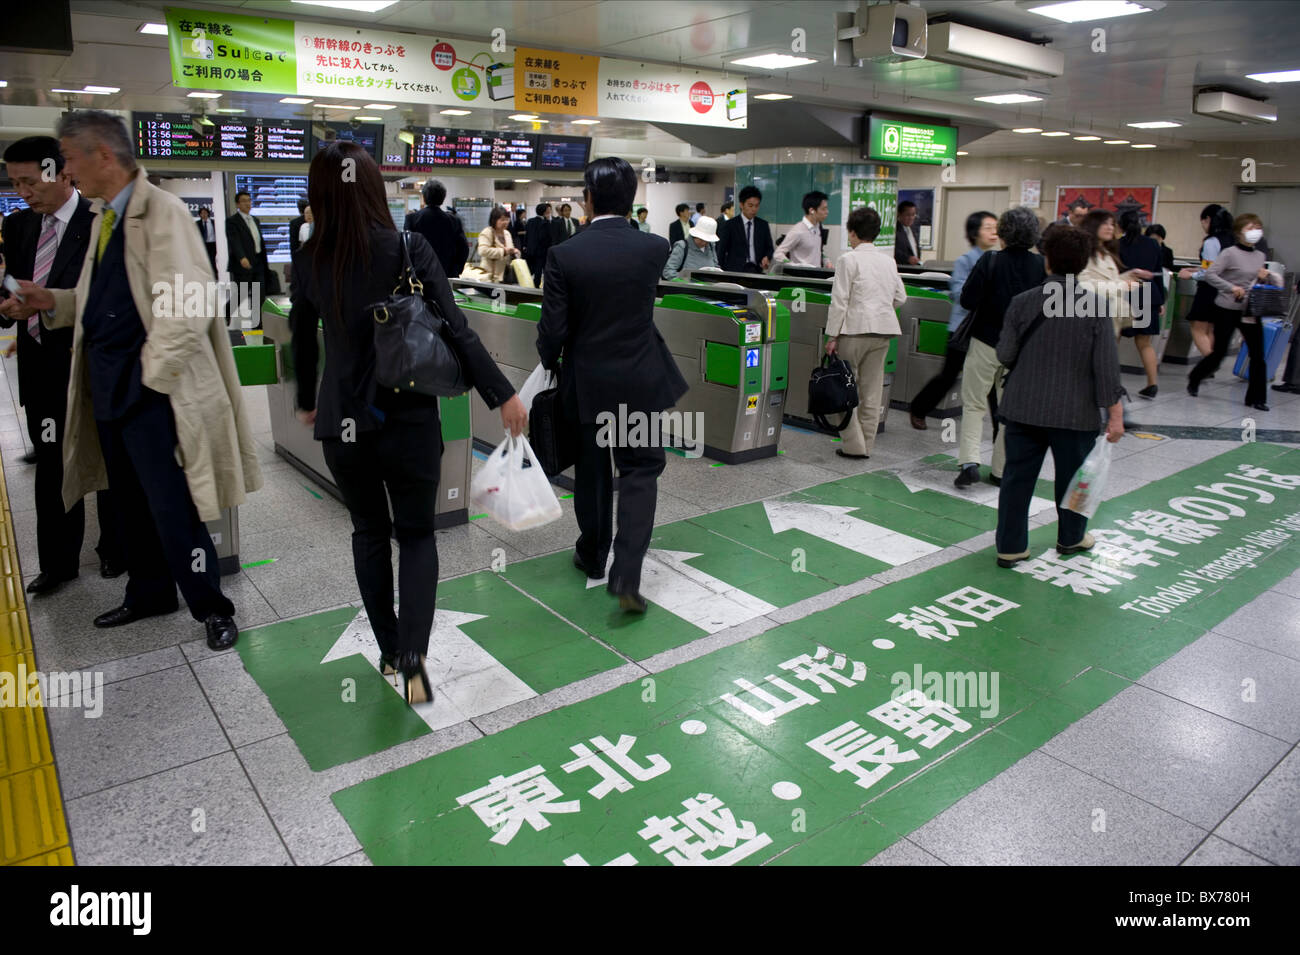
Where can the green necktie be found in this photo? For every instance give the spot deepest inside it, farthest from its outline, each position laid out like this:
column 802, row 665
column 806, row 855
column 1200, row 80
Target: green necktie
column 105, row 230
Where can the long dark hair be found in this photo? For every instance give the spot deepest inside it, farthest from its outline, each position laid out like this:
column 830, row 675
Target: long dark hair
column 347, row 199
column 1092, row 224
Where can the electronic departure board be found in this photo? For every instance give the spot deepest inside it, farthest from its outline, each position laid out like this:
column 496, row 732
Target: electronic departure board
column 472, row 148
column 183, row 136
column 11, row 202
column 368, row 137
column 563, row 152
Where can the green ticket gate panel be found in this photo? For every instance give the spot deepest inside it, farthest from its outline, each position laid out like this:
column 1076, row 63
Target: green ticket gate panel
column 732, row 346
column 296, row 444
column 924, row 344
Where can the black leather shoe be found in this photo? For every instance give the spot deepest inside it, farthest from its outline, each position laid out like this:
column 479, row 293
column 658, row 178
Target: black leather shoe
column 995, row 480
column 1259, row 406
column 1194, row 388
column 415, row 678
column 124, row 615
column 632, row 602
column 110, row 570
column 48, row 583
column 856, row 457
column 29, row 458
column 1288, row 389
column 970, row 474
column 222, row 632
column 582, row 565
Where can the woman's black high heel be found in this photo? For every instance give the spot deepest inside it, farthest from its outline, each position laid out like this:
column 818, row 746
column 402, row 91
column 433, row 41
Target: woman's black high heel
column 418, row 689
column 388, row 664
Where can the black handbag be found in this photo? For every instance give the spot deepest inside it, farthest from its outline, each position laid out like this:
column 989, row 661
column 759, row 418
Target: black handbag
column 832, row 390
column 411, row 352
column 551, row 434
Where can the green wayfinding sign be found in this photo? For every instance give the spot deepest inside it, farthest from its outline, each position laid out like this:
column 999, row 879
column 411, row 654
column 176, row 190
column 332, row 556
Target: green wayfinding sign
column 227, row 51
column 827, row 739
column 899, row 141
column 874, row 192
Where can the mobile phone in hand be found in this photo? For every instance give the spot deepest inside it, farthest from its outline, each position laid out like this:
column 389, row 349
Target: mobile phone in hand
column 13, row 288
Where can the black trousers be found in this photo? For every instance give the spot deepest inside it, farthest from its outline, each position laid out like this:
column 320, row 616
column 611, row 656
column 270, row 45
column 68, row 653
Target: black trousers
column 593, row 502
column 1226, row 321
column 928, row 398
column 59, row 533
column 165, row 542
column 400, row 462
column 1026, row 447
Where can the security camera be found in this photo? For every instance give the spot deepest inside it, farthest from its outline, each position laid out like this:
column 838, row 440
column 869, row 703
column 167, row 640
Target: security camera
column 354, row 123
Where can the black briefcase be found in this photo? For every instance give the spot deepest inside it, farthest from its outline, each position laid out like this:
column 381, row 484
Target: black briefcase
column 554, row 438
column 832, row 390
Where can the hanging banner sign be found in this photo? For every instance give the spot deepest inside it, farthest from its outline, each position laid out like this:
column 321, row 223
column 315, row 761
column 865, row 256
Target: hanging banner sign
column 225, row 51
column 551, row 82
column 879, row 192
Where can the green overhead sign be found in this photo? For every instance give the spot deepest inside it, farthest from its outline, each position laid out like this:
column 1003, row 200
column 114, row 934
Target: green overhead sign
column 906, row 141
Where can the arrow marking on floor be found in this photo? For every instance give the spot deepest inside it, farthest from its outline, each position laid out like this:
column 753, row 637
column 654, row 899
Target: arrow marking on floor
column 980, row 493
column 668, row 581
column 832, row 523
column 467, row 680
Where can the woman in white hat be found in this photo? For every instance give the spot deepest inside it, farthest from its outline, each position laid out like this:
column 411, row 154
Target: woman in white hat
column 697, row 251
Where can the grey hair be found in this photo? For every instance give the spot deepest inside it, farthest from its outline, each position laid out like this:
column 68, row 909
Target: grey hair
column 103, row 129
column 1018, row 228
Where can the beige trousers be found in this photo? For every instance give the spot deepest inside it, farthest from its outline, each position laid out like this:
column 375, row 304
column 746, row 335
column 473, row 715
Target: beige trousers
column 978, row 375
column 866, row 356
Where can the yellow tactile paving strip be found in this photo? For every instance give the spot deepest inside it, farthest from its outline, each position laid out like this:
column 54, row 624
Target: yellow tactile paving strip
column 33, row 829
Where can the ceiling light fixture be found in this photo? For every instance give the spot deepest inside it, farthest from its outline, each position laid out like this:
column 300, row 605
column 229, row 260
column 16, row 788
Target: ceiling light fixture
column 773, row 96
column 370, row 119
column 361, row 6
column 1116, row 142
column 379, row 106
column 523, row 180
column 229, row 109
column 1144, row 146
column 1058, row 132
column 455, row 112
column 773, row 61
column 296, row 100
column 1081, row 11
column 192, row 95
column 1157, row 124
column 106, row 89
column 523, row 117
column 1281, row 76
column 152, row 29
column 351, row 106
column 586, row 122
column 1027, row 129
column 1086, row 139
column 1007, row 99
column 962, row 152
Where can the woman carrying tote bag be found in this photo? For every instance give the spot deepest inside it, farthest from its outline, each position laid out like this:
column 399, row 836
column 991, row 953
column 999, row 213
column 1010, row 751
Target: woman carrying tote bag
column 379, row 444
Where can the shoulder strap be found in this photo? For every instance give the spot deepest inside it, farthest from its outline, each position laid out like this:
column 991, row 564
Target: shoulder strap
column 414, row 285
column 1029, row 332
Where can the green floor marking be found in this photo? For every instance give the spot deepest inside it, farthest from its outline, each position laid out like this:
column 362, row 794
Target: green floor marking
column 534, row 644
column 312, row 493
column 771, row 794
column 260, row 563
column 311, row 698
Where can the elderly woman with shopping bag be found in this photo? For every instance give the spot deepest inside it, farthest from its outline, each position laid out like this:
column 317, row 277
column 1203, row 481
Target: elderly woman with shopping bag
column 1064, row 368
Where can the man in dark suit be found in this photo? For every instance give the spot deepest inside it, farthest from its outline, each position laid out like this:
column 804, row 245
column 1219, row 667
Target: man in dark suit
column 246, row 253
column 745, row 241
column 443, row 229
column 598, row 316
column 680, row 226
column 295, row 226
column 46, row 243
column 907, row 247
column 208, row 229
column 563, row 226
column 538, row 240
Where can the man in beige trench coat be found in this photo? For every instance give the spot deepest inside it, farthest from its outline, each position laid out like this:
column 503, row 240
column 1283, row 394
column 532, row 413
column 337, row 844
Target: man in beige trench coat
column 154, row 403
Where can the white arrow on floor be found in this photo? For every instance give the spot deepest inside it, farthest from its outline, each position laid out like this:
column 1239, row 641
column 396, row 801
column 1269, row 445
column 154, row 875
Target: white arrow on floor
column 979, row 493
column 833, row 523
column 700, row 599
column 467, row 681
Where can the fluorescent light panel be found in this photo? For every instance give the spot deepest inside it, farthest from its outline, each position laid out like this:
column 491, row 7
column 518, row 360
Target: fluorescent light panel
column 361, row 6
column 1281, row 76
column 1086, row 139
column 1157, row 124
column 370, row 119
column 773, row 96
column 1144, row 146
column 1116, row 142
column 153, row 29
column 586, row 122
column 196, row 95
column 379, row 106
column 454, row 112
column 1081, row 11
column 1027, row 129
column 296, row 100
column 773, row 61
column 1007, row 99
column 1057, row 133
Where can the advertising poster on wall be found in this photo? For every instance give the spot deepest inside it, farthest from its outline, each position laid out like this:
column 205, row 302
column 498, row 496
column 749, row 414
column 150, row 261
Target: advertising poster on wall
column 1114, row 199
column 666, row 94
column 924, row 199
column 877, row 192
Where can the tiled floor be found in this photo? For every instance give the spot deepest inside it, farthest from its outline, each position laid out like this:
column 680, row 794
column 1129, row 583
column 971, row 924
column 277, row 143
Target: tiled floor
column 191, row 764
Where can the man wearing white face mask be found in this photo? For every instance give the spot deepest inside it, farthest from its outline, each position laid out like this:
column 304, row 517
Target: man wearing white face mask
column 1233, row 273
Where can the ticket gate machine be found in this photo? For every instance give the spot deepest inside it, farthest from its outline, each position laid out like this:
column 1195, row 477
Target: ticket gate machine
column 294, row 441
column 731, row 345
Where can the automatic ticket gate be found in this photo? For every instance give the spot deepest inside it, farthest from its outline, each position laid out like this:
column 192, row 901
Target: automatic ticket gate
column 294, row 441
column 1179, row 349
column 914, row 357
column 732, row 346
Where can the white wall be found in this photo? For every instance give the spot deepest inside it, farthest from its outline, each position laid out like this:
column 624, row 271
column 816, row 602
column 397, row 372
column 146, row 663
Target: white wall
column 215, row 187
column 660, row 198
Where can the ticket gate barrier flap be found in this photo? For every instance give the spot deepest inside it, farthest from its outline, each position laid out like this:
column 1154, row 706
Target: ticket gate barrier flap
column 296, row 444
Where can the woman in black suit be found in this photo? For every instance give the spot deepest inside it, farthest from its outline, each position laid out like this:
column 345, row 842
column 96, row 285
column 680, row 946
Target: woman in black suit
column 208, row 229
column 379, row 445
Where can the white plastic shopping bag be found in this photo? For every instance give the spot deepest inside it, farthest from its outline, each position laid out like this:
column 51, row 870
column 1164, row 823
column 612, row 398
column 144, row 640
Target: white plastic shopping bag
column 513, row 489
column 1084, row 493
column 539, row 380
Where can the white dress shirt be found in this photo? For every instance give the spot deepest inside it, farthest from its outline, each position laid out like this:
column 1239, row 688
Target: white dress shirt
column 746, row 227
column 252, row 227
column 63, row 215
column 802, row 245
column 209, row 230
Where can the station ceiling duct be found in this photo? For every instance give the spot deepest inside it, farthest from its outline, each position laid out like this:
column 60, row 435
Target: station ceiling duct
column 960, row 45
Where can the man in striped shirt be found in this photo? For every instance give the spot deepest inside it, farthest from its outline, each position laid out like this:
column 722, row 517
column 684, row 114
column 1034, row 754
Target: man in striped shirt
column 803, row 244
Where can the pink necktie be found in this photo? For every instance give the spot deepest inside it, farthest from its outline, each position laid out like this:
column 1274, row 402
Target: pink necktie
column 45, row 249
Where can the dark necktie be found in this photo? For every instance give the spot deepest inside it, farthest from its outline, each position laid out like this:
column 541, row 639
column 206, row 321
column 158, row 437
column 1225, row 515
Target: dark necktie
column 749, row 242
